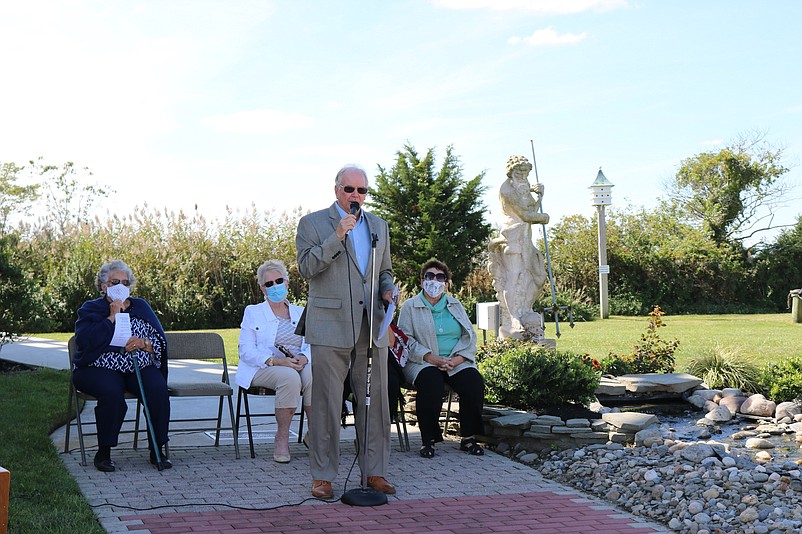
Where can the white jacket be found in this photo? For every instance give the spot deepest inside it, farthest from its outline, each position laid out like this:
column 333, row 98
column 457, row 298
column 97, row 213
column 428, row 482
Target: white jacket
column 257, row 336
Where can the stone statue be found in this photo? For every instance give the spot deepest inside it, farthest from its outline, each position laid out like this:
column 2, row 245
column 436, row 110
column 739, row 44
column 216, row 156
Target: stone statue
column 515, row 264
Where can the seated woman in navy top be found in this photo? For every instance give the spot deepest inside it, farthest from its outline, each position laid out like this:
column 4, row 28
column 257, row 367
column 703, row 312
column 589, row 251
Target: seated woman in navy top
column 106, row 371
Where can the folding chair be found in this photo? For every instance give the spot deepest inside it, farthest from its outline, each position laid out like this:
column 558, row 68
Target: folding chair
column 202, row 346
column 401, row 426
column 400, row 420
column 242, row 397
column 445, row 416
column 73, row 397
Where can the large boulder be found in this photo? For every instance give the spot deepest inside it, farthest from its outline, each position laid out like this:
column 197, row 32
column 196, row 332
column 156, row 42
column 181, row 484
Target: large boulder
column 758, row 405
column 733, row 403
column 630, row 421
column 720, row 414
column 609, row 385
column 660, row 382
column 787, row 409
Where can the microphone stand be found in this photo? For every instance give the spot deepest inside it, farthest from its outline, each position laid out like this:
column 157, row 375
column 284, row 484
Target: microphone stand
column 367, row 496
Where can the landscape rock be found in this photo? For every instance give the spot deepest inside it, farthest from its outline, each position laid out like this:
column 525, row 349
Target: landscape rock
column 719, row 414
column 733, row 403
column 630, row 421
column 787, row 409
column 651, row 382
column 758, row 405
column 759, row 443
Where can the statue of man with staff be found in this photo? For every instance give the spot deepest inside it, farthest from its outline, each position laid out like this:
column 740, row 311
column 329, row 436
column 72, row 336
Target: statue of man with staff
column 516, row 265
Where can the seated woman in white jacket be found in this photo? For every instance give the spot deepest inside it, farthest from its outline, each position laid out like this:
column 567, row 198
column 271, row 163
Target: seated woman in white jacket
column 266, row 327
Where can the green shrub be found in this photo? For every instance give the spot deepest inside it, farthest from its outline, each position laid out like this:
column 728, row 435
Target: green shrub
column 523, row 375
column 626, row 304
column 782, row 382
column 721, row 367
column 650, row 355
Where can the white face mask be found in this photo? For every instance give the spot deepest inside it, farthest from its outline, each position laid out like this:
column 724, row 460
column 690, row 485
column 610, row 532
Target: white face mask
column 433, row 288
column 118, row 292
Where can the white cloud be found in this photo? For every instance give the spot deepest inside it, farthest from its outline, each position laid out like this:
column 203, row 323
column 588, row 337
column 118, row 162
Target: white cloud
column 257, row 121
column 713, row 142
column 548, row 37
column 540, row 7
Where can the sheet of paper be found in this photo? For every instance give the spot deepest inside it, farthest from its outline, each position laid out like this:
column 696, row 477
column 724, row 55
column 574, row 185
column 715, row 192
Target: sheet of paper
column 388, row 315
column 122, row 330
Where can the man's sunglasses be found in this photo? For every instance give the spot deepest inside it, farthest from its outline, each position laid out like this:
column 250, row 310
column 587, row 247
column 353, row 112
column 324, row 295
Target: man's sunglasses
column 277, row 281
column 114, row 282
column 441, row 277
column 351, row 189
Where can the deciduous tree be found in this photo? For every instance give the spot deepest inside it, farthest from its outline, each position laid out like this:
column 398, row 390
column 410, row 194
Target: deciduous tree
column 732, row 193
column 13, row 197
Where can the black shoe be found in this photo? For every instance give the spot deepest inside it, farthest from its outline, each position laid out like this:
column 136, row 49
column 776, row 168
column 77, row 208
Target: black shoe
column 470, row 446
column 166, row 463
column 103, row 461
column 427, row 451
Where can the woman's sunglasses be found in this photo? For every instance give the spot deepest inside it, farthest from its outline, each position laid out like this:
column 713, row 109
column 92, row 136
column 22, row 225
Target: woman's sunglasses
column 114, row 282
column 441, row 277
column 277, row 281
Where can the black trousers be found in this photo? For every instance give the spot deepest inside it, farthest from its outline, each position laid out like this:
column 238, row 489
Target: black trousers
column 430, row 385
column 109, row 388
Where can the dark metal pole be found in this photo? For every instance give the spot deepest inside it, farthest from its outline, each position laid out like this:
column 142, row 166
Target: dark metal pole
column 367, row 496
column 554, row 309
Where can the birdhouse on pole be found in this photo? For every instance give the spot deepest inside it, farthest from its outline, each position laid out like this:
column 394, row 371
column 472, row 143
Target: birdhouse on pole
column 601, row 190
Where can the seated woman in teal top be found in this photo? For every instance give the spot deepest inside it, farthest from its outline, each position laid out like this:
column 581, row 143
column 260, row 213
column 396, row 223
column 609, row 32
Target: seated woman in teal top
column 442, row 350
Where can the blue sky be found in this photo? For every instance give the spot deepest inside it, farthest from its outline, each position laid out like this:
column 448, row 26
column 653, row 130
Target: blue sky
column 229, row 103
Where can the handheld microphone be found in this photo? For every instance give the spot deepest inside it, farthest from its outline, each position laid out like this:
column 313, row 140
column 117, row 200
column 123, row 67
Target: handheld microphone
column 354, row 210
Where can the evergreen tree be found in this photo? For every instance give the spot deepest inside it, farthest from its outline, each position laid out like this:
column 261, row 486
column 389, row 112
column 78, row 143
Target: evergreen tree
column 431, row 213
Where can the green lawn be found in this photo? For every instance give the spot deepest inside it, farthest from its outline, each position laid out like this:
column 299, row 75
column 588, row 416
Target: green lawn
column 44, row 497
column 762, row 337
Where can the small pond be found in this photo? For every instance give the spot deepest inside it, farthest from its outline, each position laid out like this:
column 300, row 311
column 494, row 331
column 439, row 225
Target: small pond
column 680, row 417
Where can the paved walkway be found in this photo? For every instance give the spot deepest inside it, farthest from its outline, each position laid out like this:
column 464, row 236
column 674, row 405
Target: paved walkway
column 208, row 490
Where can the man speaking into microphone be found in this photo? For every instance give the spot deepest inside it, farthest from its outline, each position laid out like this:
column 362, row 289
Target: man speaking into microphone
column 336, row 256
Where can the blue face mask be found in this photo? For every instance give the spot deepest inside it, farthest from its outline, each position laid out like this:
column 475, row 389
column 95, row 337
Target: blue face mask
column 277, row 293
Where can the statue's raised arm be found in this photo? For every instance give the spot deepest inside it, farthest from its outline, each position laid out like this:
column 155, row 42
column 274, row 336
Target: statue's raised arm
column 515, row 194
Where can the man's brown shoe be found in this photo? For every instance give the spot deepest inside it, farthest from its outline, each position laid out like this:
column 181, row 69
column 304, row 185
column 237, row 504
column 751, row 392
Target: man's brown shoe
column 381, row 484
column 322, row 489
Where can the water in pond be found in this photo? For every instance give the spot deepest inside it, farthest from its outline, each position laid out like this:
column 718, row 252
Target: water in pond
column 680, row 418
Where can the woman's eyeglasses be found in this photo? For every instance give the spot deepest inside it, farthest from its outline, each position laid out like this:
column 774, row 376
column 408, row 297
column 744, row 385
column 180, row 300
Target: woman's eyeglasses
column 114, row 282
column 351, row 189
column 440, row 277
column 277, row 281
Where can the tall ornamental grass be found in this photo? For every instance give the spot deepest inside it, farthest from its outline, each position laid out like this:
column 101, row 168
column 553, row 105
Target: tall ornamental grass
column 196, row 273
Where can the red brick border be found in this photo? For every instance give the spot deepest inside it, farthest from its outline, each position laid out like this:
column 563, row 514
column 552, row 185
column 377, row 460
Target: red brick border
column 545, row 512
